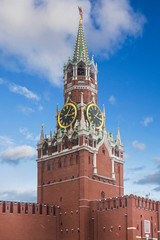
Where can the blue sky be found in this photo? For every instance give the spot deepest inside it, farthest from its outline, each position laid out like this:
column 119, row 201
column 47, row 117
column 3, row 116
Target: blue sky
column 35, row 41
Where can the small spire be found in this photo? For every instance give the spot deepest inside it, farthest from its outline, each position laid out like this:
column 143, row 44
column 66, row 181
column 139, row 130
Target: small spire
column 57, row 115
column 42, row 134
column 104, row 116
column 50, row 134
column 118, row 138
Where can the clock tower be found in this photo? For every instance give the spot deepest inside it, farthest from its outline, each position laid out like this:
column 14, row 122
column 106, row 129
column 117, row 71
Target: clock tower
column 81, row 161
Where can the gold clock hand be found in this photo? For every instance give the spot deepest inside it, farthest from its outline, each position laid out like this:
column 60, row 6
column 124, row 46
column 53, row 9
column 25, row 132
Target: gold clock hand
column 95, row 115
column 67, row 113
column 99, row 118
column 70, row 114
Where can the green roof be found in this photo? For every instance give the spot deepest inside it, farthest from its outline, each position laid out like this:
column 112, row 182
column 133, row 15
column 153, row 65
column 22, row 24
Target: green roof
column 80, row 50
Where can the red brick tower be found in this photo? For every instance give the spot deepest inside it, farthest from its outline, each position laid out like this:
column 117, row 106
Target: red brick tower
column 81, row 162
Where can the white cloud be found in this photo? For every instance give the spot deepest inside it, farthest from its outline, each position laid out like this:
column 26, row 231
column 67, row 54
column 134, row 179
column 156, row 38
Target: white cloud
column 40, row 108
column 40, row 37
column 2, row 81
column 6, row 141
column 15, row 154
column 156, row 158
column 25, row 110
column 28, row 135
column 19, row 196
column 125, row 155
column 139, row 146
column 23, row 91
column 146, row 121
column 112, row 100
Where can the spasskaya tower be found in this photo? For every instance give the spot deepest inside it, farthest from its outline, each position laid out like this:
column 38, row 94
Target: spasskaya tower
column 81, row 161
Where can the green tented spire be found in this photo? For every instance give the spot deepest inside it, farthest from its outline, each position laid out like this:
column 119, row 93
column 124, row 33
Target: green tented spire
column 80, row 50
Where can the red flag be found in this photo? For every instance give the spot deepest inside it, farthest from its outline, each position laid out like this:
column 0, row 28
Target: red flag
column 80, row 11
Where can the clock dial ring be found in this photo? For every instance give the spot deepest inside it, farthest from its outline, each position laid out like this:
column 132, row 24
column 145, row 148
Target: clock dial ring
column 67, row 115
column 94, row 115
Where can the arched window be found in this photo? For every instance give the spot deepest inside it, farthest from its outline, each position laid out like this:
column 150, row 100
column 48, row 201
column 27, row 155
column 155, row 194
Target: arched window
column 90, row 140
column 116, row 151
column 102, row 195
column 81, row 70
column 70, row 71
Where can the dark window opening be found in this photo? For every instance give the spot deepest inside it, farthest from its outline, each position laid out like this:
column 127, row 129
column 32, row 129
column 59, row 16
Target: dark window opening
column 60, row 199
column 19, row 207
column 72, row 177
column 47, row 209
column 26, row 208
column 103, row 151
column 54, row 211
column 146, row 205
column 114, row 203
column 138, row 203
column 125, row 202
column 4, row 207
column 33, row 208
column 102, row 195
column 89, row 159
column 81, row 70
column 40, row 209
column 116, row 151
column 11, row 207
column 120, row 202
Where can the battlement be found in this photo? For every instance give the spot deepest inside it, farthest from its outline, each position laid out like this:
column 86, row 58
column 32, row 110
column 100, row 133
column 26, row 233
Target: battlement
column 124, row 202
column 27, row 208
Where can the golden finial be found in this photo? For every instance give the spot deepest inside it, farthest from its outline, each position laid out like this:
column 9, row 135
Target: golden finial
column 42, row 124
column 80, row 13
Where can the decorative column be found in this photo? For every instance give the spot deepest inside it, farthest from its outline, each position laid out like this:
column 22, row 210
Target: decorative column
column 113, row 173
column 94, row 164
column 75, row 68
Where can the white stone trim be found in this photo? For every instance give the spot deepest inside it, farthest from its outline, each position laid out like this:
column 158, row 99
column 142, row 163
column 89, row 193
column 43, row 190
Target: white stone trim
column 84, row 200
column 84, row 206
column 131, row 228
column 94, row 164
column 80, row 87
column 139, row 237
column 101, row 176
column 66, row 151
column 69, row 180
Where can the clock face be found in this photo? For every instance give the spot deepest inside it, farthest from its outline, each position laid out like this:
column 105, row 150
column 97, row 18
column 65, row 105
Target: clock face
column 95, row 116
column 67, row 115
